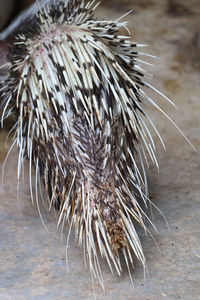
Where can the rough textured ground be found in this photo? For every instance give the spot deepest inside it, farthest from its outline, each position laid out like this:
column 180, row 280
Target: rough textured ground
column 32, row 261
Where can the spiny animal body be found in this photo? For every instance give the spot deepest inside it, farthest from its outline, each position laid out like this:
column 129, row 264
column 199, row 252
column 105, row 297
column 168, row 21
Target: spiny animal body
column 76, row 89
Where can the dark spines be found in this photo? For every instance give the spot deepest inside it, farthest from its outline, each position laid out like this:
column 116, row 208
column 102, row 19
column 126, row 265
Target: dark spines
column 76, row 86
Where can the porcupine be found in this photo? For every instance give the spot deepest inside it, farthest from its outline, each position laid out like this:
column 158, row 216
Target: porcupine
column 76, row 88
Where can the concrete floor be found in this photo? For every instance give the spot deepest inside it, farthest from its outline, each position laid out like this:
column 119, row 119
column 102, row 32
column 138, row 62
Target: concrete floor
column 32, row 260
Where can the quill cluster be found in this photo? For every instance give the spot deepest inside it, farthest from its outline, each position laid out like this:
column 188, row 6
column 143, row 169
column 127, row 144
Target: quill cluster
column 75, row 86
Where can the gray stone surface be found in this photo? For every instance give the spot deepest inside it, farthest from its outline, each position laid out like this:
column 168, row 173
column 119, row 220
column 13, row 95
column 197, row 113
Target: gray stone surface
column 32, row 260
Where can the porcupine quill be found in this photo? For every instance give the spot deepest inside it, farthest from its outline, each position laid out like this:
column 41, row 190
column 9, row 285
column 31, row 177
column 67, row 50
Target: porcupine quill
column 76, row 88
